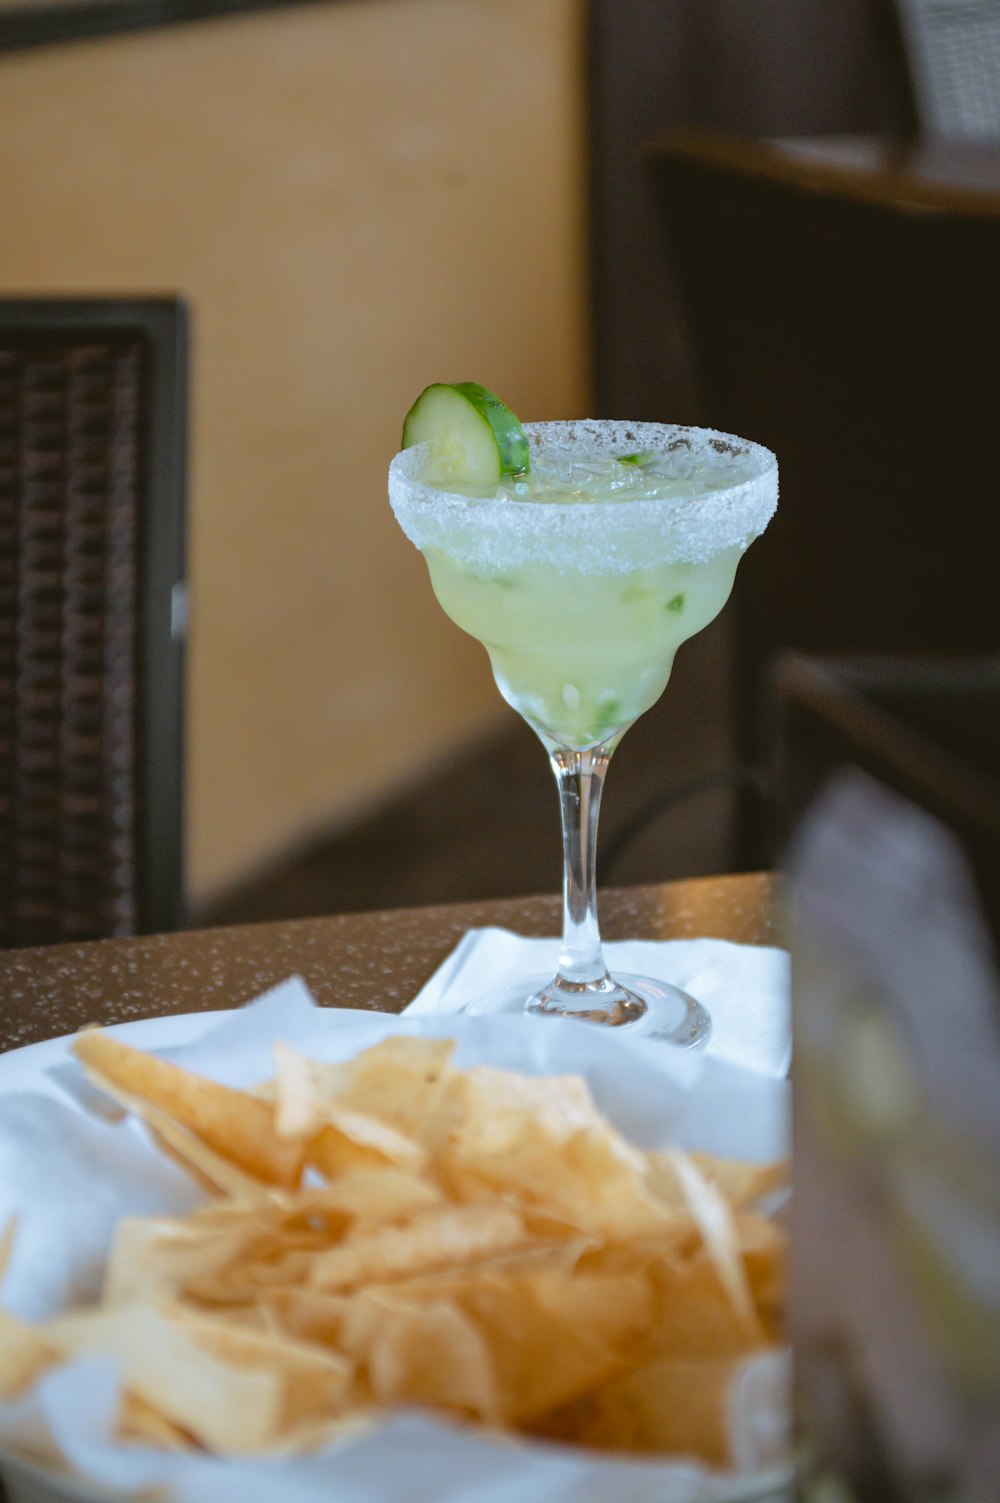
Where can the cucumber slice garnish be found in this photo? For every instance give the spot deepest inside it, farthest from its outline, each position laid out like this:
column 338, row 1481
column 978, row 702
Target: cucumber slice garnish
column 470, row 430
column 639, row 460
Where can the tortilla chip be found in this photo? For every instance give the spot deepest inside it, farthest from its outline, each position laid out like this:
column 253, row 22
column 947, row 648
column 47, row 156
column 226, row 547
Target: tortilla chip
column 663, row 1408
column 236, row 1125
column 455, row 1235
column 24, row 1356
column 394, row 1230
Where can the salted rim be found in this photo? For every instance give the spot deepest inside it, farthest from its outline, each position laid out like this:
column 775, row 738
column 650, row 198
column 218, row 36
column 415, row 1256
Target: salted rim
column 590, row 536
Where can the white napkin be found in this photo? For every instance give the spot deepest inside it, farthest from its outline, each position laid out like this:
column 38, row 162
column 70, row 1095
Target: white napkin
column 746, row 988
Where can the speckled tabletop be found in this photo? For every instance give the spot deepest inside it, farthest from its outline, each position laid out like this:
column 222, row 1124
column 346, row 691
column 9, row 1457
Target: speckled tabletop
column 370, row 960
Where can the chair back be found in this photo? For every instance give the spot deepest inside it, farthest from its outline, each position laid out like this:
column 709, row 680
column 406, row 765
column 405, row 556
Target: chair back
column 952, row 50
column 855, row 333
column 92, row 507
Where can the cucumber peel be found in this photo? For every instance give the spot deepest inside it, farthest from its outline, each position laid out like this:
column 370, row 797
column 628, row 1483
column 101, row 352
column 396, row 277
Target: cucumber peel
column 470, row 431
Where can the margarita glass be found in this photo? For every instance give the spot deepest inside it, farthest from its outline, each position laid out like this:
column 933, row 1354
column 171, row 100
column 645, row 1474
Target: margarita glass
column 581, row 578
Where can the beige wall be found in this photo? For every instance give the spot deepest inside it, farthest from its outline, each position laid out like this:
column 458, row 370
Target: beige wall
column 357, row 199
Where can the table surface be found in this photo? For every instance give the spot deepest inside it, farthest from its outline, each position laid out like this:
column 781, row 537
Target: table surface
column 950, row 175
column 957, row 178
column 376, row 961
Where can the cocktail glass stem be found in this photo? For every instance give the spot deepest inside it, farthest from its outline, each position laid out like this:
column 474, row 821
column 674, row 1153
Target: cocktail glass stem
column 582, row 987
column 580, row 779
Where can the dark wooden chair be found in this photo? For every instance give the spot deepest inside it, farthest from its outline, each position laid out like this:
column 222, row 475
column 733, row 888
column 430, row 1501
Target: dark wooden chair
column 92, row 507
column 929, row 730
column 851, row 322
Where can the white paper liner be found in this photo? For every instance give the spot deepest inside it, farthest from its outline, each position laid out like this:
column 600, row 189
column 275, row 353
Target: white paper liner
column 69, row 1185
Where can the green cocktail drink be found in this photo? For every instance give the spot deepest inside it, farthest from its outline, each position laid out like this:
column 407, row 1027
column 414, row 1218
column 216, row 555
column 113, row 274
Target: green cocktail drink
column 581, row 576
column 582, row 655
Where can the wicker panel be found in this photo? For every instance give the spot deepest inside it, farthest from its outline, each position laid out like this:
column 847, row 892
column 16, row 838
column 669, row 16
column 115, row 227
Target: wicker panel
column 70, row 437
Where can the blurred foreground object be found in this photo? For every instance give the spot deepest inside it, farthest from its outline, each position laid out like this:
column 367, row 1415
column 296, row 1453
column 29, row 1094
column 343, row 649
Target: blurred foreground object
column 894, row 908
column 92, row 616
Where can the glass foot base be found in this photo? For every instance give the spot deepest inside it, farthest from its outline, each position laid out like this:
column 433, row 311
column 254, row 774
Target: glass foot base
column 638, row 1004
column 606, row 1002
